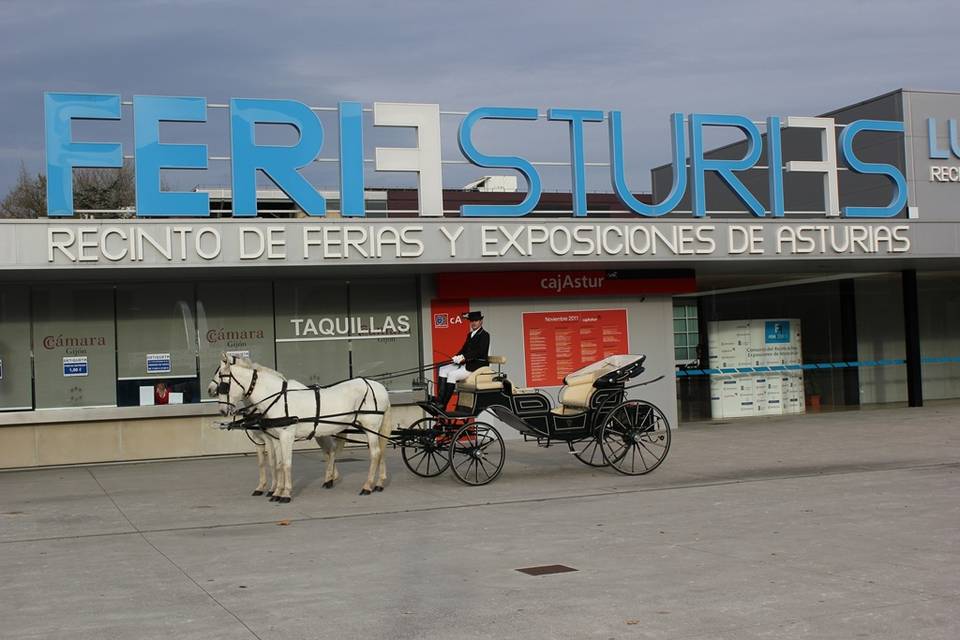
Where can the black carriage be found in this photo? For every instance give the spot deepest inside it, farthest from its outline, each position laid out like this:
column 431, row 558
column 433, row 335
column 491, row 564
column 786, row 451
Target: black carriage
column 599, row 424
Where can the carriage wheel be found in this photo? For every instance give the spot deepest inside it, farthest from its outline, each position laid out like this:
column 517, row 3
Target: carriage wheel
column 635, row 437
column 588, row 452
column 477, row 453
column 423, row 454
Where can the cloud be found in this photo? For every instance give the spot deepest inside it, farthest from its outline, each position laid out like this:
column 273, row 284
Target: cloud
column 646, row 59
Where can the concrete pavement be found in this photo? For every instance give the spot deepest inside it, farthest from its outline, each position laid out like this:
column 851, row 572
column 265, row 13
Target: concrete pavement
column 838, row 525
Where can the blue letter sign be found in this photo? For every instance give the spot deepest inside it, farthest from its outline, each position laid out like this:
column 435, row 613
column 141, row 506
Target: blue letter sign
column 279, row 163
column 63, row 154
column 152, row 156
column 506, row 162
column 856, row 164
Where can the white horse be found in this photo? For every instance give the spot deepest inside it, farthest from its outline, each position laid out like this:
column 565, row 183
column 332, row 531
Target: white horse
column 267, row 447
column 267, row 458
column 319, row 413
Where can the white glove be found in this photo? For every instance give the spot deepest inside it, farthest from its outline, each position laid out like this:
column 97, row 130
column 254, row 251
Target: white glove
column 458, row 358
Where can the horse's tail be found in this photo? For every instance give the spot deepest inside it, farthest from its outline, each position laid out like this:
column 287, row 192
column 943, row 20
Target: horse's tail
column 383, row 403
column 386, row 426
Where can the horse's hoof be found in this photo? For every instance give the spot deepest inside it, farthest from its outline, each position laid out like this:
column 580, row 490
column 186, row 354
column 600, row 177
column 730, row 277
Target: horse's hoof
column 364, row 492
column 257, row 493
column 378, row 488
column 328, row 484
column 283, row 500
column 270, row 493
column 274, row 498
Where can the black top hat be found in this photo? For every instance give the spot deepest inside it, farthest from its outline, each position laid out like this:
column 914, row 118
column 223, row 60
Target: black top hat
column 473, row 316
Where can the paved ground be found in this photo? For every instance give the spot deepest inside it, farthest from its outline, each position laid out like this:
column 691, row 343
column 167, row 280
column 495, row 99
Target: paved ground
column 839, row 525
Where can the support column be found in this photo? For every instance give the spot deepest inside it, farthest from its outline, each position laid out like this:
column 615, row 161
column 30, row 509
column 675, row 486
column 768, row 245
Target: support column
column 911, row 330
column 848, row 342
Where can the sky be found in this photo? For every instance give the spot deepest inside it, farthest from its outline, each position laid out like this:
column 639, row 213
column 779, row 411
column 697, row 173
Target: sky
column 645, row 59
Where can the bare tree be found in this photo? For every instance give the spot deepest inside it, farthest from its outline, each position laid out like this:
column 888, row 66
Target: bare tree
column 27, row 198
column 105, row 190
column 111, row 191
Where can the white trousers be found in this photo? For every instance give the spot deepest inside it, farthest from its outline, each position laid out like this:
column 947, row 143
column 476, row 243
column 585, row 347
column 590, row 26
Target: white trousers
column 454, row 373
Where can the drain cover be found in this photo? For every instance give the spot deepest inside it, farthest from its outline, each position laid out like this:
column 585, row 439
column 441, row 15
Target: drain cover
column 546, row 569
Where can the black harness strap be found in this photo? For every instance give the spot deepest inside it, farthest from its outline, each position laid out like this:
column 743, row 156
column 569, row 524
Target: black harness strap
column 253, row 383
column 316, row 416
column 276, row 398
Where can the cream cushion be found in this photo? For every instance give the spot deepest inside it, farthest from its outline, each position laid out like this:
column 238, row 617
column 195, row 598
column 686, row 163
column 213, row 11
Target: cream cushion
column 589, row 377
column 577, row 395
column 480, row 380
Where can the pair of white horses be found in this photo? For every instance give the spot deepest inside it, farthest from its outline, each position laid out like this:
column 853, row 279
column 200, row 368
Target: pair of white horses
column 244, row 386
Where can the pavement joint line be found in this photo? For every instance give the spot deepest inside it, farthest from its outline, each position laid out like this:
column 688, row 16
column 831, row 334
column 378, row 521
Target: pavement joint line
column 113, row 502
column 143, row 537
column 600, row 494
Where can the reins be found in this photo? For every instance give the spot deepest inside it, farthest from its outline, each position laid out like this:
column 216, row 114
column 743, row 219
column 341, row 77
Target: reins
column 390, row 375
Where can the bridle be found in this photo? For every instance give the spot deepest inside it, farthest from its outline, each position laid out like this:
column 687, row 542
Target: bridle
column 225, row 383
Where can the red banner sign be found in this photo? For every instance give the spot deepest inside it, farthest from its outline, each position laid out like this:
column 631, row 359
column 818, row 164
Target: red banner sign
column 525, row 284
column 448, row 329
column 558, row 342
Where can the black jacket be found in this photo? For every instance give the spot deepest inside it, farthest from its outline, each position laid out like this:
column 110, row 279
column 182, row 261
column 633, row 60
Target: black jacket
column 475, row 350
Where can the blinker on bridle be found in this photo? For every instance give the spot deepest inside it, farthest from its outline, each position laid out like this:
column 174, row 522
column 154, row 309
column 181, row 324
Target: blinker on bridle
column 223, row 387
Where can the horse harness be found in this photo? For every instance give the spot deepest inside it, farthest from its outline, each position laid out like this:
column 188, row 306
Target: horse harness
column 254, row 418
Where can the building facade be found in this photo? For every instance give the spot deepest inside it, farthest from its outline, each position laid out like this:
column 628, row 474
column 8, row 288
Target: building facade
column 829, row 284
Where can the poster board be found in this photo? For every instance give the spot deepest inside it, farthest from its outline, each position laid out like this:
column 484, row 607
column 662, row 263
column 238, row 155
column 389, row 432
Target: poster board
column 558, row 342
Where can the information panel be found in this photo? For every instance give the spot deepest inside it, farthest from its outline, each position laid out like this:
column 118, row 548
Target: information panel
column 558, row 342
column 759, row 361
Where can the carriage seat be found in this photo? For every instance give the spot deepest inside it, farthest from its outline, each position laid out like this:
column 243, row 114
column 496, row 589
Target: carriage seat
column 589, row 377
column 578, row 390
column 484, row 378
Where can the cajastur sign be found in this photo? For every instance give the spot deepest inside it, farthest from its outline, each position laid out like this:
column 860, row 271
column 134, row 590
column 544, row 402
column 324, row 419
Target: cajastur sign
column 282, row 164
column 534, row 284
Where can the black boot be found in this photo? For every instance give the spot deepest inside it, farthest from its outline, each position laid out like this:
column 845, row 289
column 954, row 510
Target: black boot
column 441, row 390
column 447, row 393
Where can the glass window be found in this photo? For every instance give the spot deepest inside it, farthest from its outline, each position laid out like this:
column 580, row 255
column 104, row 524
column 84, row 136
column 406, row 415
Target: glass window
column 386, row 314
column 234, row 318
column 156, row 344
column 940, row 334
column 75, row 352
column 849, row 335
column 376, row 208
column 16, row 376
column 330, row 331
column 686, row 332
column 312, row 331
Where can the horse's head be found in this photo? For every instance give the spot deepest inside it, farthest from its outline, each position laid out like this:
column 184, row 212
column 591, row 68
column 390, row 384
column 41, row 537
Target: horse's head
column 229, row 391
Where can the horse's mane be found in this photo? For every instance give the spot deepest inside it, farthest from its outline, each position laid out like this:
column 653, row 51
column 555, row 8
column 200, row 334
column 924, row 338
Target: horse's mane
column 250, row 364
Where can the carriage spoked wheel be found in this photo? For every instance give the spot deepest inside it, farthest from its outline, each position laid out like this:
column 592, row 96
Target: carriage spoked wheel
column 635, row 437
column 426, row 452
column 588, row 451
column 477, row 453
